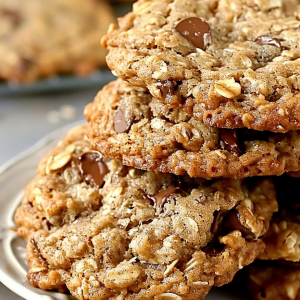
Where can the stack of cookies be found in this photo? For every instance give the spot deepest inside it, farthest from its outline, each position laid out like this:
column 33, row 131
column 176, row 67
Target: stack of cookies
column 170, row 188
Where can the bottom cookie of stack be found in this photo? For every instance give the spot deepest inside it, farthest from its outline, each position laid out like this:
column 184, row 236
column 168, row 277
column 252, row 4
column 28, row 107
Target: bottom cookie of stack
column 106, row 231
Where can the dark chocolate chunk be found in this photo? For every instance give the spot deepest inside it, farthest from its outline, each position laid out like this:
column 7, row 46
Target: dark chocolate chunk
column 229, row 141
column 233, row 222
column 92, row 168
column 196, row 30
column 267, row 40
column 168, row 88
column 121, row 124
column 160, row 198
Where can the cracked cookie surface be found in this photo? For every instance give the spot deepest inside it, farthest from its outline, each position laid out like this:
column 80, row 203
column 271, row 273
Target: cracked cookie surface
column 40, row 39
column 152, row 235
column 127, row 123
column 236, row 61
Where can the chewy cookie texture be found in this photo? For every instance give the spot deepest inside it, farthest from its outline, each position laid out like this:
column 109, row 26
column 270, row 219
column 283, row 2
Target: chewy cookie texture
column 128, row 123
column 135, row 234
column 236, row 62
column 43, row 38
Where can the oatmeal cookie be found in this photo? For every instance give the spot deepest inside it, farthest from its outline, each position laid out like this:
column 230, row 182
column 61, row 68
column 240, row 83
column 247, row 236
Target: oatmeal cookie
column 44, row 38
column 283, row 237
column 277, row 280
column 152, row 236
column 236, row 61
column 276, row 273
column 127, row 123
column 59, row 193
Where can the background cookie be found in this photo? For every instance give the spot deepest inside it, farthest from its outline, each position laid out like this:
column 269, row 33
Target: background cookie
column 40, row 39
column 236, row 61
column 127, row 123
column 152, row 234
column 275, row 281
column 283, row 237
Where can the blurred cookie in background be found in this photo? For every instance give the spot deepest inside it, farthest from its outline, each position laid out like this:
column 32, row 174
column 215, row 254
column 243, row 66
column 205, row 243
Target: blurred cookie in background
column 40, row 39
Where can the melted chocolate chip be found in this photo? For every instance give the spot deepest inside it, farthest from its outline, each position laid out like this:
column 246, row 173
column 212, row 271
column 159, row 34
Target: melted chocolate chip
column 12, row 15
column 92, row 168
column 196, row 30
column 123, row 172
column 121, row 124
column 233, row 222
column 224, row 220
column 266, row 40
column 168, row 88
column 160, row 198
column 229, row 141
column 46, row 224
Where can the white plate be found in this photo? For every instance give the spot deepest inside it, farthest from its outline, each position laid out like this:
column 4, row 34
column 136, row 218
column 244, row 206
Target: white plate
column 14, row 176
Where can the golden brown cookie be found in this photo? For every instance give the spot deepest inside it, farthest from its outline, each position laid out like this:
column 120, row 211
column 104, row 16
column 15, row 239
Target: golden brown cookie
column 127, row 123
column 117, row 232
column 236, row 62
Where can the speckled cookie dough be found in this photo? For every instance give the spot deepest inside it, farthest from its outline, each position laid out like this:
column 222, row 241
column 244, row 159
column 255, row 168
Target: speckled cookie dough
column 152, row 235
column 59, row 194
column 44, row 38
column 127, row 123
column 237, row 62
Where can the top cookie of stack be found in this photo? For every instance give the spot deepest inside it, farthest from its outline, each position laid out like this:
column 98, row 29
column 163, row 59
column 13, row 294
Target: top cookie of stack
column 237, row 61
column 207, row 88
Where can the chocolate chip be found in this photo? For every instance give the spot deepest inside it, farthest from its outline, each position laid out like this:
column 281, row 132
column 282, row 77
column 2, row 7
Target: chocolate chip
column 229, row 141
column 224, row 220
column 160, row 198
column 12, row 15
column 266, row 40
column 92, row 168
column 121, row 124
column 196, row 30
column 167, row 88
column 233, row 222
column 46, row 224
column 123, row 172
